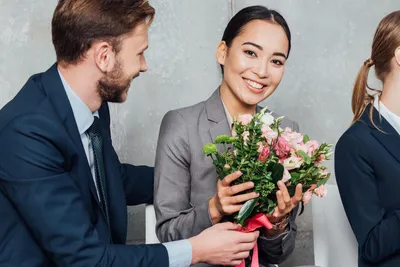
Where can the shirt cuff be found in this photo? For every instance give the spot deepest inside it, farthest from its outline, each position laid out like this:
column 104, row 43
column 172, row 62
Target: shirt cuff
column 179, row 253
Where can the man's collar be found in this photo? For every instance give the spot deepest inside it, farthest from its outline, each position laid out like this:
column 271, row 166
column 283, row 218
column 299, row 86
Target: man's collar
column 83, row 116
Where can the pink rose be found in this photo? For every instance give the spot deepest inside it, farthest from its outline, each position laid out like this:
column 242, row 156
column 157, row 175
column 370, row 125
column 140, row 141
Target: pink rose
column 260, row 147
column 320, row 160
column 293, row 162
column 286, row 176
column 245, row 119
column 309, row 147
column 264, row 154
column 312, row 146
column 282, row 147
column 320, row 191
column 307, row 197
column 227, row 166
column 293, row 138
column 245, row 136
column 288, row 130
column 269, row 134
column 301, row 146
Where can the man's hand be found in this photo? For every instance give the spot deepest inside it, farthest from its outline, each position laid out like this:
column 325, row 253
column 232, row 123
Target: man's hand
column 221, row 244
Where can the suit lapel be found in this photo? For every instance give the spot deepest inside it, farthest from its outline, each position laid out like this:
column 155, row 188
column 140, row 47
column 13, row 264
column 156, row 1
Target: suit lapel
column 387, row 135
column 219, row 128
column 55, row 90
column 216, row 116
column 390, row 141
column 114, row 187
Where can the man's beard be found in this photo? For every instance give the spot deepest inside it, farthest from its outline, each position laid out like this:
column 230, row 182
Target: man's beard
column 113, row 85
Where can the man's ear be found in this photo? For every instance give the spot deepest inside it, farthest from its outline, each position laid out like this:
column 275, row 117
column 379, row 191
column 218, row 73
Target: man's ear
column 104, row 56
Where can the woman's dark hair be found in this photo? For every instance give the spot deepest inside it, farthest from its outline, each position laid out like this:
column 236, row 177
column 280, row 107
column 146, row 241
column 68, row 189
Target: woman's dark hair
column 247, row 14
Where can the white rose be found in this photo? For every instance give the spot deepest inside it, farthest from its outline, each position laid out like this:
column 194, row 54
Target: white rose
column 267, row 119
column 293, row 162
column 286, row 176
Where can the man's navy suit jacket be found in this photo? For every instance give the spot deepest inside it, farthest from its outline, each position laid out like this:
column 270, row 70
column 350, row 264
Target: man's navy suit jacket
column 49, row 209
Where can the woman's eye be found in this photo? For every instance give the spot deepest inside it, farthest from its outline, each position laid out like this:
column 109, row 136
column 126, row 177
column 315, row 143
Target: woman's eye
column 277, row 62
column 250, row 53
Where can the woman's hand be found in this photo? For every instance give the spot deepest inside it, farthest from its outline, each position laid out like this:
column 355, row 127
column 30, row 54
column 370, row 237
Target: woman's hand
column 227, row 200
column 285, row 204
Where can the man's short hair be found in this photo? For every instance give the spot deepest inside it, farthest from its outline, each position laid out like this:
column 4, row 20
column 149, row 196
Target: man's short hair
column 77, row 24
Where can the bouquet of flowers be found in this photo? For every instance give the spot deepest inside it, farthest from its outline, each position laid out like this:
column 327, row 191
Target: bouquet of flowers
column 265, row 153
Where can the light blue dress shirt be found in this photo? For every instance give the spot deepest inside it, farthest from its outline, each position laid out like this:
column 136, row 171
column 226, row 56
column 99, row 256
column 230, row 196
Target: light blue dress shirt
column 179, row 252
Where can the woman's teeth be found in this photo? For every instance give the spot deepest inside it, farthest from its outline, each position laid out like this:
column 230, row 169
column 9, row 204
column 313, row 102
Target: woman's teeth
column 254, row 84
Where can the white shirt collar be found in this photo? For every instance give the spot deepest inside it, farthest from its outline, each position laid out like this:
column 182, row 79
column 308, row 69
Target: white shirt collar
column 389, row 116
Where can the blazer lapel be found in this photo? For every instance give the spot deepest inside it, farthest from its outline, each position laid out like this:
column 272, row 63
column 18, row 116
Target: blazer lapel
column 114, row 188
column 216, row 116
column 55, row 90
column 387, row 135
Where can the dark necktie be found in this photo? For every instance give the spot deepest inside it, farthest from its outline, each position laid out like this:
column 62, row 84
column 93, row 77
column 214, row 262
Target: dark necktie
column 97, row 144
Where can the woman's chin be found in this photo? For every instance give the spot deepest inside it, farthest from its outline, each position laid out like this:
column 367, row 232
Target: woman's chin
column 252, row 100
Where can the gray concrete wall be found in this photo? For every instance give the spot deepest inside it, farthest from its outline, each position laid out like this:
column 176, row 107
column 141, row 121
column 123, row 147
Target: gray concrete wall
column 331, row 39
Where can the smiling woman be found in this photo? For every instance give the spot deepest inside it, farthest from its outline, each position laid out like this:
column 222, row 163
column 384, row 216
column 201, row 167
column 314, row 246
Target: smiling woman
column 188, row 196
column 253, row 64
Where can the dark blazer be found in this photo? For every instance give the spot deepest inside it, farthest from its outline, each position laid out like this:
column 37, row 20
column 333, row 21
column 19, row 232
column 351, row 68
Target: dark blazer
column 185, row 178
column 367, row 167
column 49, row 210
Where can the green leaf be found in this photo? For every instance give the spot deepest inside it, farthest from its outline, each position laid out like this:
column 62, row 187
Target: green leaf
column 303, row 154
column 305, row 188
column 323, row 181
column 295, row 175
column 306, row 138
column 262, row 111
column 256, row 178
column 291, row 189
column 268, row 176
column 277, row 172
column 271, row 206
column 246, row 210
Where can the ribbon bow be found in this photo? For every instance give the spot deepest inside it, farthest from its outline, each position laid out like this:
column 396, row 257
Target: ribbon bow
column 259, row 220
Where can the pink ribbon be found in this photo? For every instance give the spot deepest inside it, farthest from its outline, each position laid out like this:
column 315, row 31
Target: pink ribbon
column 259, row 220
